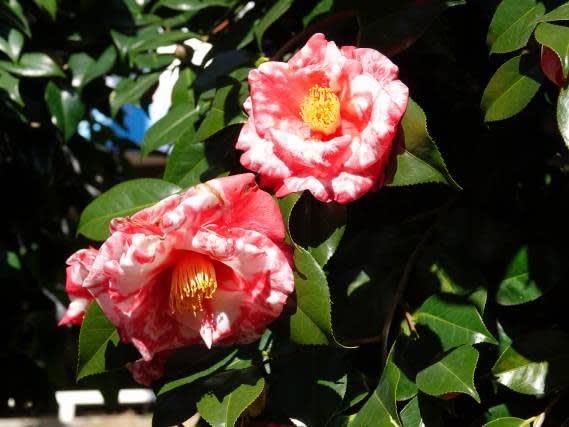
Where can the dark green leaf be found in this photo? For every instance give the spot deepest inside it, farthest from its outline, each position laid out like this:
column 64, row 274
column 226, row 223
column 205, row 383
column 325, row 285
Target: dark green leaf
column 452, row 374
column 12, row 44
column 556, row 38
column 318, row 227
column 130, row 92
column 419, row 412
column 511, row 88
column 535, row 364
column 86, row 69
column 11, row 85
column 153, row 61
column 563, row 114
column 50, row 6
column 286, row 205
column 323, row 6
column 169, row 128
column 507, row 422
column 472, row 284
column 416, row 158
column 66, row 108
column 518, row 287
column 312, row 322
column 96, row 334
column 269, row 18
column 381, row 407
column 512, row 24
column 225, row 412
column 122, row 200
column 182, row 92
column 186, row 163
column 33, row 64
column 11, row 11
column 454, row 321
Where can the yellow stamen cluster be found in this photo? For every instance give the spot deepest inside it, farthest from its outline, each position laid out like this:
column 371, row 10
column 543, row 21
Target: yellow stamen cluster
column 193, row 280
column 321, row 110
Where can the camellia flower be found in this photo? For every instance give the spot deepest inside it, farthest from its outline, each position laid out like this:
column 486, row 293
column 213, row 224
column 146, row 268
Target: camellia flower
column 79, row 265
column 209, row 265
column 324, row 121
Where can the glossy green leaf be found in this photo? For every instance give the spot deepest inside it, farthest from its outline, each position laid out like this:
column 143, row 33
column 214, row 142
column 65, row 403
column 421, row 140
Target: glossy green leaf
column 12, row 44
column 472, row 284
column 225, row 412
column 224, row 111
column 269, row 18
column 11, row 85
column 518, row 287
column 511, row 88
column 50, row 6
column 556, row 37
column 312, row 322
column 122, row 200
column 146, row 40
column 96, row 333
column 186, row 164
column 454, row 373
column 507, row 422
column 85, row 69
column 381, row 407
column 182, row 92
column 286, row 205
column 33, row 64
column 559, row 14
column 535, row 364
column 193, row 5
column 318, row 227
column 11, row 12
column 455, row 321
column 419, row 412
column 416, row 158
column 563, row 114
column 66, row 108
column 169, row 128
column 130, row 92
column 512, row 24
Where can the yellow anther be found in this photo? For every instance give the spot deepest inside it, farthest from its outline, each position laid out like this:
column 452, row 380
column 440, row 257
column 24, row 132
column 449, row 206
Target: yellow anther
column 321, row 110
column 193, row 280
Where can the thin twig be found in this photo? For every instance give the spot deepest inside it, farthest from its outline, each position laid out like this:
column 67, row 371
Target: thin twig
column 311, row 29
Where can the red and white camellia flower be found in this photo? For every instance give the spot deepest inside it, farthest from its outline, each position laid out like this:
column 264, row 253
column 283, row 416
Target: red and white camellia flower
column 324, row 121
column 206, row 266
column 79, row 265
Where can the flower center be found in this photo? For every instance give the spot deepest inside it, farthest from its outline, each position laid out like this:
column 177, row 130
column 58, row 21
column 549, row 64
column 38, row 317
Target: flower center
column 193, row 280
column 321, row 110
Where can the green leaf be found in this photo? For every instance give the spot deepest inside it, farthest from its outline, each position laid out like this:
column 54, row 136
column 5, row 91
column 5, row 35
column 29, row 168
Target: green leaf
column 511, row 88
column 556, row 38
column 169, row 128
column 559, row 14
column 269, row 18
column 130, row 92
column 323, row 6
column 35, row 64
column 286, row 205
column 419, row 412
column 12, row 44
column 182, row 92
column 50, row 6
column 193, row 5
column 318, row 227
column 225, row 412
column 11, row 11
column 11, row 85
column 563, row 114
column 535, row 364
column 416, row 159
column 455, row 321
column 96, row 333
column 381, row 407
column 85, row 69
column 518, row 287
column 186, row 164
column 507, row 422
column 312, row 322
column 454, row 373
column 225, row 110
column 66, row 108
column 122, row 200
column 512, row 24
column 472, row 284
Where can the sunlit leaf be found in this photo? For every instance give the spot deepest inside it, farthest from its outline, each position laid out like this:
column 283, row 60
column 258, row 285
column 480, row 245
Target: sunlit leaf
column 66, row 108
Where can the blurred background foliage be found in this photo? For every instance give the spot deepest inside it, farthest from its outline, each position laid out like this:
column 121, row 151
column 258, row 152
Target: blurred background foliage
column 471, row 282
